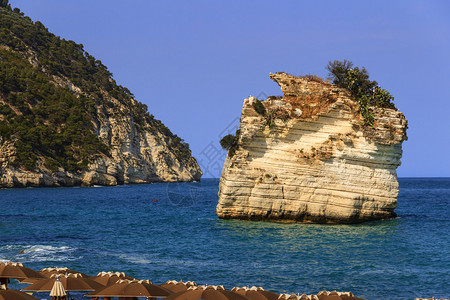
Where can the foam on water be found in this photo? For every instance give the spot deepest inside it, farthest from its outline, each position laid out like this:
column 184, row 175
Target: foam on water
column 46, row 249
column 39, row 253
column 134, row 259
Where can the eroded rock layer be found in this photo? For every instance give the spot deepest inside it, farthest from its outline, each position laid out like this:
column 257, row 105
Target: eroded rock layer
column 138, row 153
column 309, row 159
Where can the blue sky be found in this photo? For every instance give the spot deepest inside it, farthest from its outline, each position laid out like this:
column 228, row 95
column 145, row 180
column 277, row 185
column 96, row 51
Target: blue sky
column 194, row 62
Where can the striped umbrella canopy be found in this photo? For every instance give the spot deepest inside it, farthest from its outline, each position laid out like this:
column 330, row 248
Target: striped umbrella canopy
column 131, row 288
column 297, row 297
column 17, row 271
column 178, row 286
column 324, row 295
column 48, row 272
column 256, row 293
column 289, row 297
column 207, row 293
column 9, row 294
column 58, row 292
column 109, row 278
column 70, row 282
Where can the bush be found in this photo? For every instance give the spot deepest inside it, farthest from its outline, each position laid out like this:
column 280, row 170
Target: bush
column 365, row 91
column 259, row 107
column 53, row 122
column 312, row 77
column 228, row 141
column 338, row 71
column 5, row 4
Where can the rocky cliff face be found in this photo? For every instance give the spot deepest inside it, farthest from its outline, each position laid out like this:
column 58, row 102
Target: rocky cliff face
column 138, row 153
column 64, row 121
column 309, row 159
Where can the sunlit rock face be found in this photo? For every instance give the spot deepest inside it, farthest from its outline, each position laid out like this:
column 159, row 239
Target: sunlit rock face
column 142, row 151
column 65, row 121
column 138, row 153
column 310, row 159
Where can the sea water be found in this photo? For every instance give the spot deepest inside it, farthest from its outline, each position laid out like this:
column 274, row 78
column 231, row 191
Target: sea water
column 171, row 232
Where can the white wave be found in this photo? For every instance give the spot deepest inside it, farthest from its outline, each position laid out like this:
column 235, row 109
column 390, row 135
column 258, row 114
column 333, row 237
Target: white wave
column 53, row 258
column 134, row 259
column 46, row 249
column 10, row 247
column 189, row 263
column 35, row 253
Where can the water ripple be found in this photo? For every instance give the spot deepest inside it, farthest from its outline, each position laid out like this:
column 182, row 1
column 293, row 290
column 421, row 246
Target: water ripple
column 123, row 229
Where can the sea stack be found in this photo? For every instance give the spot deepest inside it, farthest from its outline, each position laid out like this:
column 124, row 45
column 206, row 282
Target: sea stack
column 307, row 156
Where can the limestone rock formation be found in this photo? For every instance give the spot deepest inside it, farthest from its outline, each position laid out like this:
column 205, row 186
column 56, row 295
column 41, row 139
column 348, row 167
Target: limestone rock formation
column 138, row 154
column 64, row 121
column 308, row 158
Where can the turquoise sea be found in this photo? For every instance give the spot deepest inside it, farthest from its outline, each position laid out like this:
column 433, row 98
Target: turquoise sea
column 179, row 237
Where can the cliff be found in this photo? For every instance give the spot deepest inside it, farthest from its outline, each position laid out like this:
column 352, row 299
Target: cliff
column 307, row 157
column 64, row 121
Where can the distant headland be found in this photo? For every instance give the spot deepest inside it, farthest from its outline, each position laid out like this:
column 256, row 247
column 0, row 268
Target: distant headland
column 64, row 121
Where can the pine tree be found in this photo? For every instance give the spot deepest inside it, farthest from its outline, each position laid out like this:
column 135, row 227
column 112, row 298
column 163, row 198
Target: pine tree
column 4, row 3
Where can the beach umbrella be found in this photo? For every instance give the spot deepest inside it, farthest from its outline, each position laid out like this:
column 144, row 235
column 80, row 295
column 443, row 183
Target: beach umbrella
column 70, row 282
column 178, row 286
column 131, row 288
column 48, row 272
column 297, row 297
column 207, row 293
column 308, row 297
column 58, row 292
column 16, row 270
column 9, row 294
column 289, row 297
column 109, row 278
column 324, row 295
column 255, row 293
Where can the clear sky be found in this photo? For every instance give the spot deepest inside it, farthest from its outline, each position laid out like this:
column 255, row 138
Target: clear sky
column 194, row 62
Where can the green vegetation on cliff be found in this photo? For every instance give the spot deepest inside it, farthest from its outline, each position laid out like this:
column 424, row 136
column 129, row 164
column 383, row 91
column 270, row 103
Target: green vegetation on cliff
column 230, row 142
column 50, row 120
column 44, row 119
column 367, row 92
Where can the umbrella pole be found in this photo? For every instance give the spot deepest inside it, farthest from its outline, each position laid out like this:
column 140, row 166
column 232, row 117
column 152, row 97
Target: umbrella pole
column 4, row 281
